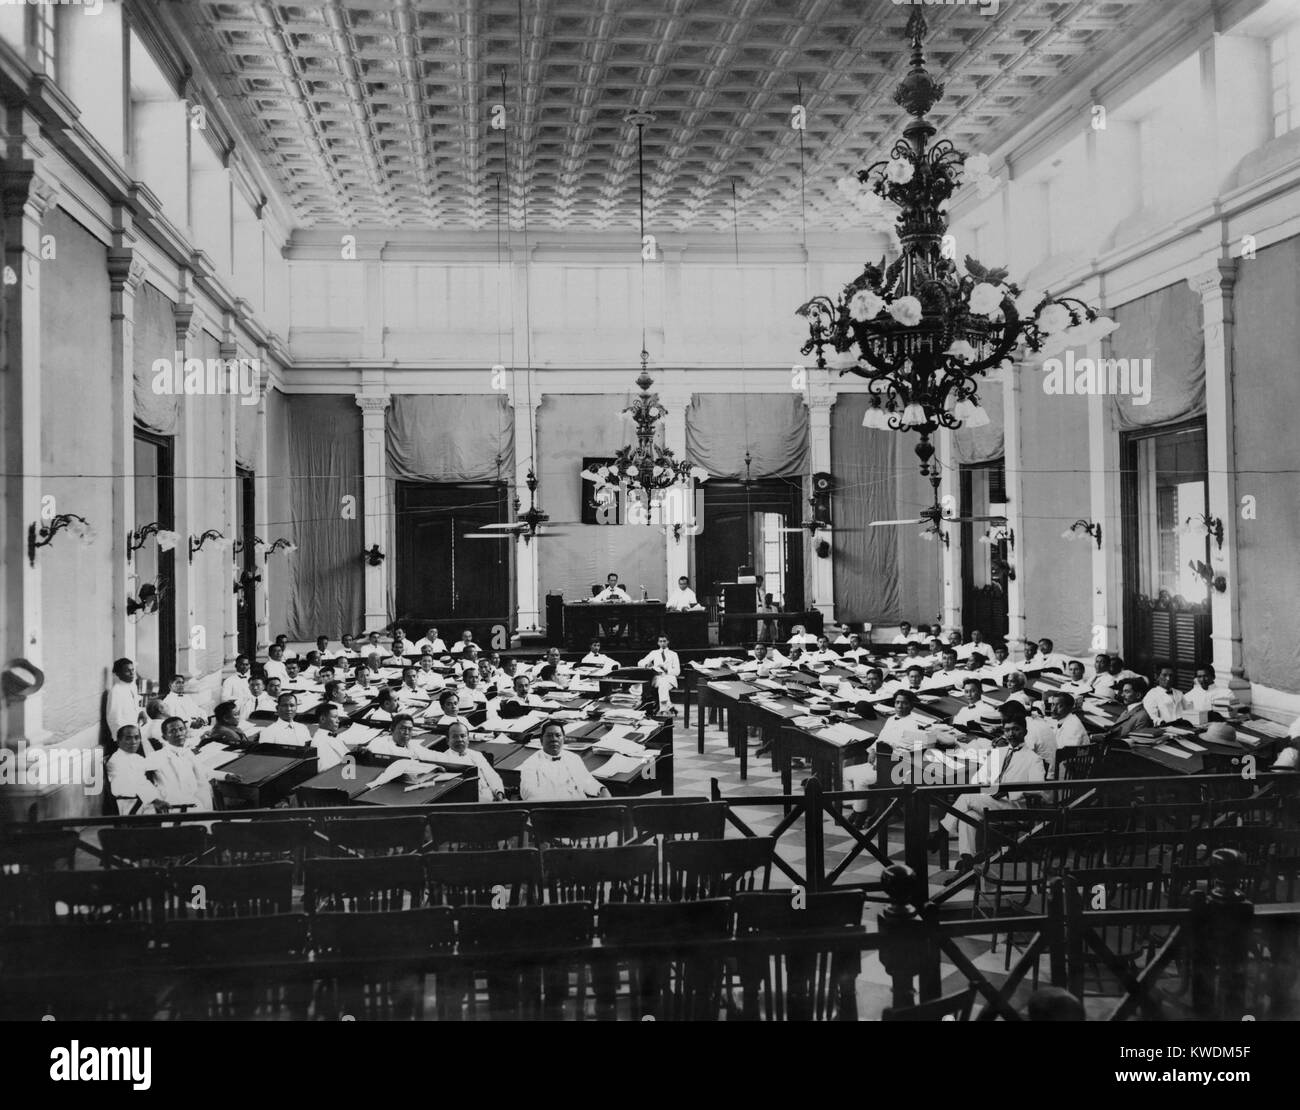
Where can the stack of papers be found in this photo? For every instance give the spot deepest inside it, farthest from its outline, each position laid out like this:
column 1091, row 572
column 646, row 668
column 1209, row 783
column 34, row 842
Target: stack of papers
column 217, row 755
column 841, row 734
column 620, row 765
column 621, row 745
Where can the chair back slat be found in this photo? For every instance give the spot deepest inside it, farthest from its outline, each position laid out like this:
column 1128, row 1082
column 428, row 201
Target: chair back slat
column 376, row 836
column 480, row 830
column 507, row 876
column 579, row 826
column 600, row 875
column 238, row 890
column 158, row 847
column 719, row 868
column 261, row 841
column 379, row 883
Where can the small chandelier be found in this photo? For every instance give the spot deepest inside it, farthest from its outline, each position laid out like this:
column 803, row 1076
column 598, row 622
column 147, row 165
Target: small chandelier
column 920, row 330
column 646, row 467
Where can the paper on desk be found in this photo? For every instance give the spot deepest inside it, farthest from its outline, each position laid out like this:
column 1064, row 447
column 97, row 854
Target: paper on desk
column 568, row 715
column 359, row 734
column 621, row 745
column 1192, row 745
column 217, row 755
column 841, row 734
column 1169, row 749
column 620, row 765
column 1268, row 728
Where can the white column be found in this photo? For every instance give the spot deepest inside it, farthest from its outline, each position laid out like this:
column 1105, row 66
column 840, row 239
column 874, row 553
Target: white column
column 262, row 508
column 125, row 272
column 193, row 515
column 677, row 548
column 527, row 567
column 950, row 503
column 1215, row 287
column 373, row 401
column 1104, row 634
column 820, row 399
column 1011, row 387
column 230, row 503
column 25, row 198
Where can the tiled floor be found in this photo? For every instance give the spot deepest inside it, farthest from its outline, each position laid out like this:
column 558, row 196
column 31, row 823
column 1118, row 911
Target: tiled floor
column 693, row 773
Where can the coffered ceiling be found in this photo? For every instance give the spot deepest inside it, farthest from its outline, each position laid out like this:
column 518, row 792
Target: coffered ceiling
column 379, row 113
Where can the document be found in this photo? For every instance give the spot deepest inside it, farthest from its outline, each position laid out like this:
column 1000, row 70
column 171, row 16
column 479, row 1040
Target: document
column 621, row 765
column 1169, row 749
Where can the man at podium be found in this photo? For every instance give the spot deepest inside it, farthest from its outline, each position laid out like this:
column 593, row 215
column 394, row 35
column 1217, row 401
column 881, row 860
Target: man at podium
column 613, row 592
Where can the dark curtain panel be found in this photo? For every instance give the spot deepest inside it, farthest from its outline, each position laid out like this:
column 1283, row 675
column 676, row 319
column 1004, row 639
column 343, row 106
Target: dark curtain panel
column 866, row 488
column 326, row 576
column 1266, row 392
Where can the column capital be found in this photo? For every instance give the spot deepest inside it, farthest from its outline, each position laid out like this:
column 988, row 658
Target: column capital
column 372, row 404
column 126, row 270
column 1216, row 281
column 188, row 324
column 819, row 401
column 23, row 191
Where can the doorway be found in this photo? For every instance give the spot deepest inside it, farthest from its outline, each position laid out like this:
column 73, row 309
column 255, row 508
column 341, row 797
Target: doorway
column 1166, row 600
column 441, row 576
column 985, row 568
column 742, row 527
column 155, row 628
column 246, row 532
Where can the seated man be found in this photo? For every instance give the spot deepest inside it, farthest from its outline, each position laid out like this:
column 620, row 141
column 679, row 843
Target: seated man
column 284, row 729
column 274, row 666
column 683, row 597
column 904, row 635
column 432, row 641
column 1016, row 683
column 235, row 687
column 1131, row 693
column 612, row 592
column 374, row 663
column 490, row 786
column 1077, row 685
column 470, row 695
column 348, row 646
column 446, row 711
column 400, row 648
column 766, row 660
column 556, row 775
column 426, row 678
column 1203, row 698
column 914, row 680
column 330, row 747
column 178, row 704
column 999, row 666
column 1014, row 763
column 383, row 709
column 1104, row 684
column 903, row 732
column 334, row 694
column 854, row 648
column 1068, row 730
column 182, row 779
column 465, row 642
column 800, row 635
column 258, row 701
column 1288, row 756
column 521, row 694
column 1050, row 659
column 399, row 742
column 976, row 711
column 551, row 659
column 1120, row 671
column 666, row 667
column 295, row 678
column 823, row 652
column 225, row 728
column 948, row 675
column 599, row 660
column 130, row 769
column 1163, row 703
column 323, row 647
column 409, row 693
column 975, row 645
column 363, row 687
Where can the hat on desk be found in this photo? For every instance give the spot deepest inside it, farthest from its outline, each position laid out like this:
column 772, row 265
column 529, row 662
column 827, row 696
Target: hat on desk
column 1221, row 733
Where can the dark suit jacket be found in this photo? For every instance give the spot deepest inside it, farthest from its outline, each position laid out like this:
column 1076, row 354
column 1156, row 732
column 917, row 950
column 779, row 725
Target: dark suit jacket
column 1133, row 717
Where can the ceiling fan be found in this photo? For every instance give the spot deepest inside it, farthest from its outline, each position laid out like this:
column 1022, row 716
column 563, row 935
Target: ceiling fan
column 527, row 525
column 934, row 516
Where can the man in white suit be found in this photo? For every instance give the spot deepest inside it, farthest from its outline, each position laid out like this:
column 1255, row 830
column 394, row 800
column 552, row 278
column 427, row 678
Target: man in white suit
column 666, row 667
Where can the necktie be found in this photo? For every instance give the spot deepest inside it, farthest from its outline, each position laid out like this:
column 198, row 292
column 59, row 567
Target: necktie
column 1006, row 764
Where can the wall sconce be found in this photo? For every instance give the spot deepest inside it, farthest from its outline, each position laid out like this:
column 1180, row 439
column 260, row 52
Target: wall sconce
column 42, row 536
column 1081, row 528
column 999, row 533
column 936, row 532
column 1206, row 574
column 197, row 542
column 1204, row 525
column 240, row 544
column 374, row 556
column 136, row 540
column 280, row 545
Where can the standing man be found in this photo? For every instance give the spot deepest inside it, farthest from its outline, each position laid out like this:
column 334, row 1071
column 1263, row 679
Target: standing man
column 123, row 705
column 666, row 667
column 235, row 688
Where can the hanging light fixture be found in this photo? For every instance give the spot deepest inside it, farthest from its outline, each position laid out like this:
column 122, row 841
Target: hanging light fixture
column 646, row 467
column 923, row 332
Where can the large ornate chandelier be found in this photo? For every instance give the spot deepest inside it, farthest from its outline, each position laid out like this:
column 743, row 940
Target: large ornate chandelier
column 922, row 331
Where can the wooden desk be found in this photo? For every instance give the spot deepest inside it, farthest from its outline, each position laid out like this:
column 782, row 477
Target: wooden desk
column 352, row 787
column 826, row 759
column 643, row 621
column 729, row 697
column 269, row 774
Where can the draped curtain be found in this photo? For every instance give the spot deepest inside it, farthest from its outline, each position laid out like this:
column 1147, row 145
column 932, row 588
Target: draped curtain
column 155, row 338
column 981, row 445
column 326, row 578
column 773, row 427
column 450, row 438
column 866, row 489
column 1165, row 327
column 1266, row 396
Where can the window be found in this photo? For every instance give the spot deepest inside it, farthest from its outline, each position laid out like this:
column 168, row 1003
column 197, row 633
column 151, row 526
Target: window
column 41, row 36
column 772, row 537
column 1284, row 80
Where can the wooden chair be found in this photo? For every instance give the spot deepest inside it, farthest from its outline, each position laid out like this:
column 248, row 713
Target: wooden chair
column 952, row 1007
column 600, row 875
column 154, row 846
column 673, row 984
column 261, row 841
column 796, row 982
column 508, row 950
column 1120, row 888
column 510, row 876
column 137, row 894
column 661, row 824
column 579, row 826
column 224, row 890
column 478, row 830
column 351, row 885
column 31, row 852
column 378, row 991
column 226, row 967
column 1009, row 880
column 718, row 868
column 375, row 836
column 1084, row 762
